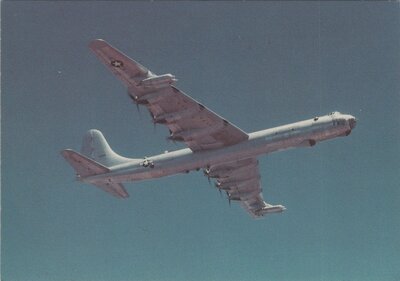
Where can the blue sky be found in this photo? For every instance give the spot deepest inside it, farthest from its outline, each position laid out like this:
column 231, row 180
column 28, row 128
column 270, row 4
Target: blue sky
column 258, row 64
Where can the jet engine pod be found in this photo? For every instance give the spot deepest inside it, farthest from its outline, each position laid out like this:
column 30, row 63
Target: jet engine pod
column 160, row 81
column 269, row 209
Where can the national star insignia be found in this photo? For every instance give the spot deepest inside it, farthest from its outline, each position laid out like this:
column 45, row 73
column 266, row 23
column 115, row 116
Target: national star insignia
column 117, row 63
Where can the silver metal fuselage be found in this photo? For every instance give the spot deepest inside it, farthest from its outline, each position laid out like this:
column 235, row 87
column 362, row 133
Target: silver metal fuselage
column 300, row 134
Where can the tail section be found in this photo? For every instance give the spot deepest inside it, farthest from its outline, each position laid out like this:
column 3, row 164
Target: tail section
column 96, row 158
column 83, row 166
column 95, row 147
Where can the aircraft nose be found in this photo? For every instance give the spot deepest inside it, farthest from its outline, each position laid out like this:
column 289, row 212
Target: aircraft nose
column 352, row 122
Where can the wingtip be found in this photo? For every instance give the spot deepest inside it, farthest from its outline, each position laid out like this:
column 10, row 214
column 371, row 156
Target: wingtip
column 66, row 152
column 97, row 43
column 125, row 196
column 122, row 193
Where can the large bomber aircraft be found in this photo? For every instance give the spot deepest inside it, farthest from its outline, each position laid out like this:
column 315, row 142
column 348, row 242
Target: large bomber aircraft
column 224, row 152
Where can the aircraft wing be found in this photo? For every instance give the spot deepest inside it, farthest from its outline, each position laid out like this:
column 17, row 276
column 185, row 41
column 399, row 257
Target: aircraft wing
column 241, row 182
column 187, row 120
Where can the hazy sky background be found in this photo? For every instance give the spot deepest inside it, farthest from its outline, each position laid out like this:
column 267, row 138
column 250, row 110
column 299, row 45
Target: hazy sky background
column 259, row 65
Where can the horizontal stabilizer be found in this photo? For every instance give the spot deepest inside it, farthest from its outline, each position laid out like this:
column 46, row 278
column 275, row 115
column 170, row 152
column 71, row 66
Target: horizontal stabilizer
column 115, row 189
column 86, row 167
column 83, row 165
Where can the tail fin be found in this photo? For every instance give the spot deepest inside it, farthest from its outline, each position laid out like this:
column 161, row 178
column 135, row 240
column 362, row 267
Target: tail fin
column 95, row 147
column 96, row 158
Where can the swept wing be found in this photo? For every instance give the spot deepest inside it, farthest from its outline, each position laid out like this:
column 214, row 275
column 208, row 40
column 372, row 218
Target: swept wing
column 187, row 120
column 241, row 182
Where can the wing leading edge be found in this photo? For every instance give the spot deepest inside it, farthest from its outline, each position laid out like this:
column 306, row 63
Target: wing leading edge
column 187, row 120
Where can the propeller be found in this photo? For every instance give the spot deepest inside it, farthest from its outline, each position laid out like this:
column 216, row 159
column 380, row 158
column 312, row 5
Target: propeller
column 169, row 138
column 229, row 198
column 138, row 109
column 206, row 173
column 153, row 120
column 134, row 101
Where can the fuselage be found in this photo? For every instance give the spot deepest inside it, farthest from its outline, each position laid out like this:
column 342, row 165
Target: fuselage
column 299, row 134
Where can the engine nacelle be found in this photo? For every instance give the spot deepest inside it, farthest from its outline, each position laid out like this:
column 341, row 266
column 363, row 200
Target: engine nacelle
column 269, row 209
column 160, row 81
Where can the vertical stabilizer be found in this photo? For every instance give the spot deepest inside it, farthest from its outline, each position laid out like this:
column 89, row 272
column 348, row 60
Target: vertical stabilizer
column 95, row 146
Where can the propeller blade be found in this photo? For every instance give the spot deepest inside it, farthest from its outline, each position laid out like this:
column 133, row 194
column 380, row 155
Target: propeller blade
column 229, row 198
column 133, row 99
column 206, row 172
column 169, row 140
column 153, row 120
column 138, row 109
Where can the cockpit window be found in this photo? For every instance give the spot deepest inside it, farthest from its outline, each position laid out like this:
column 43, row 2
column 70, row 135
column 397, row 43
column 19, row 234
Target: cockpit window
column 315, row 118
